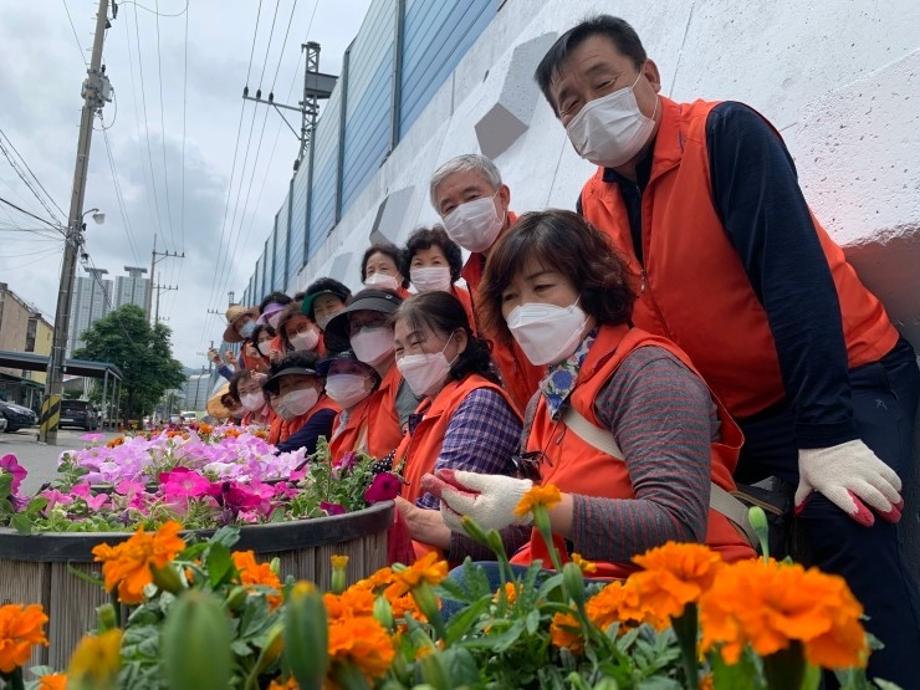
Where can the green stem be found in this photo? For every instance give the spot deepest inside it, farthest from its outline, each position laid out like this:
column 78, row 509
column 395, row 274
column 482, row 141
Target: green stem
column 349, row 677
column 685, row 629
column 113, row 595
column 785, row 669
column 541, row 520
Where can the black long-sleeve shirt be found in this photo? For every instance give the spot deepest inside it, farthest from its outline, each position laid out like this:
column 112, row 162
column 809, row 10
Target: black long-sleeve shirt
column 756, row 194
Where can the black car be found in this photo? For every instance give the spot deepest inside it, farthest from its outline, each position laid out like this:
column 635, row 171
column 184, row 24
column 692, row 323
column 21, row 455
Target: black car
column 79, row 413
column 17, row 416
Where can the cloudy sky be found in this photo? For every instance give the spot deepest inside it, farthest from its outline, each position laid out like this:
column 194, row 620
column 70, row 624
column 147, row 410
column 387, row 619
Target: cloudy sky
column 221, row 236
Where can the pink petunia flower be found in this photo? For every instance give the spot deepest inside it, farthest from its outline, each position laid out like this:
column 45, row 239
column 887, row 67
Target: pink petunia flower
column 92, row 438
column 56, row 497
column 332, row 508
column 385, row 487
column 181, row 486
column 8, row 463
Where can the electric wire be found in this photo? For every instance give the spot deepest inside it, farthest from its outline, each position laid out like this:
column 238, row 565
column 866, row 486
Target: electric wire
column 163, row 128
column 156, row 12
column 6, row 145
column 75, row 36
column 32, row 215
column 119, row 197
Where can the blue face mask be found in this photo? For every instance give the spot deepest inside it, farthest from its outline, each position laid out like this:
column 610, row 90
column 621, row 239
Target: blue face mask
column 247, row 329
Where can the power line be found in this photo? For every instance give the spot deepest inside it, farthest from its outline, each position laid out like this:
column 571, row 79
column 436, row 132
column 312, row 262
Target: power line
column 163, row 127
column 22, row 176
column 184, row 136
column 271, row 33
column 75, row 36
column 156, row 11
column 283, row 45
column 31, row 215
column 119, row 197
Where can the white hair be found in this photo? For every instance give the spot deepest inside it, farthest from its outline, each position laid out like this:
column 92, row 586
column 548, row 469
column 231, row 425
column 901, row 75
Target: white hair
column 468, row 162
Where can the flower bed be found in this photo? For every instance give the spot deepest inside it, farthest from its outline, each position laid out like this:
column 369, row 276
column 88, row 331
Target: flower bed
column 685, row 620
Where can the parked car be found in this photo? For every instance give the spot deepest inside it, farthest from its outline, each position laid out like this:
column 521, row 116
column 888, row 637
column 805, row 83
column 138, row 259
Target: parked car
column 189, row 416
column 80, row 413
column 17, row 416
column 2, row 424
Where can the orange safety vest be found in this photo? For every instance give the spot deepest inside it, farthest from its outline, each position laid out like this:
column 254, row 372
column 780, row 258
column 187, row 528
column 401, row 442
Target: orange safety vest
column 373, row 423
column 281, row 430
column 258, row 417
column 463, row 296
column 520, row 378
column 693, row 288
column 575, row 466
column 419, row 451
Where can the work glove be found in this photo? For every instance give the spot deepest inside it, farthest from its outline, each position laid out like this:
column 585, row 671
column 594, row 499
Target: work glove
column 489, row 499
column 851, row 477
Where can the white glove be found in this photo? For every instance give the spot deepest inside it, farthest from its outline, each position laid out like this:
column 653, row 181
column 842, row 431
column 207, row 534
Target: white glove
column 489, row 499
column 851, row 477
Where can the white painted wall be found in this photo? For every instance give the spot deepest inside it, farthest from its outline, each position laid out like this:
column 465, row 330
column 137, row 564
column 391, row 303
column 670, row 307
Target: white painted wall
column 839, row 78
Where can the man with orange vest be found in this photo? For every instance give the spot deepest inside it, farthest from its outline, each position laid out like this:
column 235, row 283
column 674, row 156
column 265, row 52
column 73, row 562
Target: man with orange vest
column 703, row 202
column 468, row 194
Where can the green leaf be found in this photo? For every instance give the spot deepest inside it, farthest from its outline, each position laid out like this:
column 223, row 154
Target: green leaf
column 886, row 684
column 22, row 523
column 461, row 623
column 241, row 648
column 549, row 584
column 226, row 536
column 6, row 484
column 658, row 683
column 86, row 577
column 36, row 506
column 532, row 622
column 220, row 565
column 741, row 676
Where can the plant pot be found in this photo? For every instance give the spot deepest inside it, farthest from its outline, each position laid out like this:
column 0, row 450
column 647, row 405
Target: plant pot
column 34, row 568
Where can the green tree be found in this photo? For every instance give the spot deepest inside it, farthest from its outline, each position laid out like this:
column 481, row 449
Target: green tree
column 143, row 353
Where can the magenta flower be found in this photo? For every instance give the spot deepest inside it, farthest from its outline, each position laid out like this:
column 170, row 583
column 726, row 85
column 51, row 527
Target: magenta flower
column 82, row 490
column 332, row 508
column 55, row 498
column 92, row 438
column 8, row 463
column 181, row 486
column 97, row 502
column 129, row 488
column 344, row 463
column 385, row 487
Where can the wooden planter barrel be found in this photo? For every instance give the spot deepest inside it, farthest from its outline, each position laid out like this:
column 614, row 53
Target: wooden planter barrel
column 34, row 568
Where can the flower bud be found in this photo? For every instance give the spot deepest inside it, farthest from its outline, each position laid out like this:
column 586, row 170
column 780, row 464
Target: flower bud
column 107, row 617
column 196, row 629
column 383, row 612
column 166, row 578
column 574, row 583
column 306, row 650
column 435, row 673
column 339, row 564
column 758, row 519
column 236, row 598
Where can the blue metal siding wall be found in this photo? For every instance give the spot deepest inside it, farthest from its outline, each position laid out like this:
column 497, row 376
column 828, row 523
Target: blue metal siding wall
column 369, row 102
column 281, row 235
column 437, row 35
column 257, row 280
column 298, row 224
column 325, row 160
column 269, row 266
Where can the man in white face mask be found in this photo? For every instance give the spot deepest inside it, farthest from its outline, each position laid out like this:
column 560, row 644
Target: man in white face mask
column 468, row 194
column 702, row 201
column 303, row 412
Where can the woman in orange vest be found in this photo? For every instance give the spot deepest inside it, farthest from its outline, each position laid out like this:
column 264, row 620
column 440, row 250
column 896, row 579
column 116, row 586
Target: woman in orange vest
column 303, row 413
column 433, row 261
column 298, row 332
column 381, row 269
column 365, row 325
column 246, row 386
column 465, row 421
column 622, row 424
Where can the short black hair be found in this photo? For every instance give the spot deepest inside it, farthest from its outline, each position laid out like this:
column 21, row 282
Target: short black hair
column 387, row 249
column 276, row 297
column 267, row 327
column 329, row 285
column 240, row 377
column 619, row 31
column 425, row 238
column 565, row 242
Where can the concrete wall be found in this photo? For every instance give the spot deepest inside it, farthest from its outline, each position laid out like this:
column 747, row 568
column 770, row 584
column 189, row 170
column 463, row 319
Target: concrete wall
column 840, row 79
column 14, row 320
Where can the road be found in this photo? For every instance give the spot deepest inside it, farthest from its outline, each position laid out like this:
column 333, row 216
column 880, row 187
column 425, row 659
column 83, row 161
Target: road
column 39, row 459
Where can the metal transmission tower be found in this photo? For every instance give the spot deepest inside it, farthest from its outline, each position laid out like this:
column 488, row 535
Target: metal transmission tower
column 316, row 86
column 96, row 92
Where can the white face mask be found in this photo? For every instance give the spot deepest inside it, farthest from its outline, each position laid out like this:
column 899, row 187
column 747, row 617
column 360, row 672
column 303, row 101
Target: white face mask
column 263, row 347
column 347, row 389
column 425, row 372
column 305, row 341
column 475, row 224
column 372, row 344
column 547, row 334
column 253, row 402
column 246, row 329
column 295, row 403
column 381, row 280
column 430, row 278
column 609, row 131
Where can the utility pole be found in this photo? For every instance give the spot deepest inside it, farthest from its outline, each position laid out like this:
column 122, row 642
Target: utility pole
column 161, row 288
column 96, row 92
column 155, row 258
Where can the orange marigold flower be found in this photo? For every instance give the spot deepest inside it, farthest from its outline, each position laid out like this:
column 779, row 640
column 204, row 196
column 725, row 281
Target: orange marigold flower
column 115, row 442
column 618, row 602
column 770, row 604
column 254, row 574
column 354, row 601
column 52, row 681
column 127, row 565
column 289, row 684
column 339, row 561
column 548, row 495
column 707, row 682
column 21, row 628
column 97, row 658
column 565, row 633
column 675, row 575
column 427, row 569
column 362, row 641
column 587, row 567
column 204, row 429
column 511, row 593
column 379, row 580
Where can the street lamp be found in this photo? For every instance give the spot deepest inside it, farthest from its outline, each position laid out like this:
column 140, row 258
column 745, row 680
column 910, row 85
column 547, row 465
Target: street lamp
column 98, row 216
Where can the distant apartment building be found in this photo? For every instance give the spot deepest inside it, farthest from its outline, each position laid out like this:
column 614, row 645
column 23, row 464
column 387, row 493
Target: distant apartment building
column 22, row 329
column 133, row 288
column 92, row 300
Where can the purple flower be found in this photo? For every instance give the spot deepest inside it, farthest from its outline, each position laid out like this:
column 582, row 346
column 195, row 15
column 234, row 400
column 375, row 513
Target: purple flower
column 344, row 464
column 92, row 438
column 385, row 487
column 9, row 464
column 332, row 508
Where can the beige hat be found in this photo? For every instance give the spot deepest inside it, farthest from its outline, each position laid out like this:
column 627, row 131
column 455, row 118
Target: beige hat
column 234, row 313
